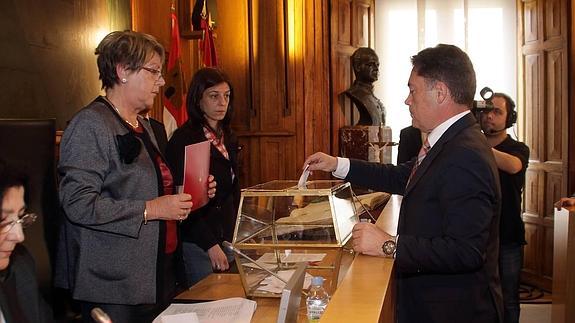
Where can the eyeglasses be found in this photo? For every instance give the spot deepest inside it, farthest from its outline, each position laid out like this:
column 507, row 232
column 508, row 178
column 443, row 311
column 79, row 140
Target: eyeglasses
column 25, row 221
column 155, row 72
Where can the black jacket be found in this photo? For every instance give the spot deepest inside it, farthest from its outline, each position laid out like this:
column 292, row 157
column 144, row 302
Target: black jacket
column 214, row 222
column 448, row 232
column 20, row 299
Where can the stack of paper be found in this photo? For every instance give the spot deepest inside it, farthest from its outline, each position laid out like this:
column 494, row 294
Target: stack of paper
column 229, row 310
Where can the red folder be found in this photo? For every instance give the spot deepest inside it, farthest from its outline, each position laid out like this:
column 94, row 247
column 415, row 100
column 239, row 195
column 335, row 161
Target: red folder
column 196, row 172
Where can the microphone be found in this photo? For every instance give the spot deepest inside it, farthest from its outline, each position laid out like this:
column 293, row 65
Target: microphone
column 100, row 316
column 229, row 246
column 493, row 131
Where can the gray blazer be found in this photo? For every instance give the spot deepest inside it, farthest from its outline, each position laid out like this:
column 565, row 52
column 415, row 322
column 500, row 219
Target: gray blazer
column 105, row 252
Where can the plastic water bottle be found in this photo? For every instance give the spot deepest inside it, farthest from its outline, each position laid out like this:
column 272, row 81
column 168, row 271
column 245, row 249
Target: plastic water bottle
column 317, row 299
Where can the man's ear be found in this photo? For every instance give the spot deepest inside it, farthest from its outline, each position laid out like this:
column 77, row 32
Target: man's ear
column 441, row 92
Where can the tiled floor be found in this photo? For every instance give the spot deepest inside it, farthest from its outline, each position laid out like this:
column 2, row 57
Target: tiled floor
column 535, row 313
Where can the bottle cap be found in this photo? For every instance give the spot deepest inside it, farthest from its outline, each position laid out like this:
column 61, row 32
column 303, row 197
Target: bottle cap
column 317, row 281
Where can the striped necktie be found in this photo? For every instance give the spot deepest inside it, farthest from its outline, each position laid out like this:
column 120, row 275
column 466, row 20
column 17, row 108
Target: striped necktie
column 422, row 153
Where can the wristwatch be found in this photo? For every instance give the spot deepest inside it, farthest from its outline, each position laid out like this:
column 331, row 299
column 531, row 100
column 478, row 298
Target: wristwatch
column 388, row 247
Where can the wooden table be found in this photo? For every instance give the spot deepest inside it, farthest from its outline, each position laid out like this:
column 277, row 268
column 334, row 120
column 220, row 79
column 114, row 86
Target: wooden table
column 366, row 293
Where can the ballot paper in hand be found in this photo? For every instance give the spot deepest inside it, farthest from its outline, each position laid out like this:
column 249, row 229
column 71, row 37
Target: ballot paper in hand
column 303, row 177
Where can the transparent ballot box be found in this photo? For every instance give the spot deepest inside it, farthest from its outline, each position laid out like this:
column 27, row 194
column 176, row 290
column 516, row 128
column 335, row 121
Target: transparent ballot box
column 280, row 225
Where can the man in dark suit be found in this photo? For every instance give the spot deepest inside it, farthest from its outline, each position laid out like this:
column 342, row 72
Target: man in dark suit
column 446, row 251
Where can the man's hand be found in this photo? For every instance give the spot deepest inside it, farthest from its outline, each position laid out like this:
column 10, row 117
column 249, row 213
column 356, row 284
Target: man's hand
column 368, row 239
column 321, row 161
column 218, row 258
column 564, row 201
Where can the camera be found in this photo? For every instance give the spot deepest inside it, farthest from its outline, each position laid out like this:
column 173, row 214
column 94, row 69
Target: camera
column 486, row 105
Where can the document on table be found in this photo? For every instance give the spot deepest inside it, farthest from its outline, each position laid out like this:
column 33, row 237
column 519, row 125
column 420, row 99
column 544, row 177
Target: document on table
column 229, row 310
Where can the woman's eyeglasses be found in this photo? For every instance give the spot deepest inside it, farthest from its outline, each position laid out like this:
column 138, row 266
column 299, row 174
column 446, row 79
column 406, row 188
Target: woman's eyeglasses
column 155, row 72
column 25, row 221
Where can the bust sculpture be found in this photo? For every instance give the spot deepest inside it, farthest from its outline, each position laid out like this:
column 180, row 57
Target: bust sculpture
column 365, row 65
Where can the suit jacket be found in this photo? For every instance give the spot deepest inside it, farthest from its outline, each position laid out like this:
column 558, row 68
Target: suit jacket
column 106, row 254
column 448, row 231
column 216, row 221
column 409, row 144
column 20, row 299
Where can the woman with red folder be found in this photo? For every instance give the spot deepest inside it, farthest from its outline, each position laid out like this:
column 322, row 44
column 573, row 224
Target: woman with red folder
column 209, row 106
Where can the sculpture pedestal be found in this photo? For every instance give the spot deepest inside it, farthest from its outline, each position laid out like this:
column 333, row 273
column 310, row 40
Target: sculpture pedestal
column 371, row 143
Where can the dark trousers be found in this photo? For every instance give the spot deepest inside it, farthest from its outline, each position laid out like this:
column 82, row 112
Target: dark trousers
column 510, row 263
column 143, row 313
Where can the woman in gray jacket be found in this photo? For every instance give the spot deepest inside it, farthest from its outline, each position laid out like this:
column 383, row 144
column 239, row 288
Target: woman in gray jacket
column 119, row 234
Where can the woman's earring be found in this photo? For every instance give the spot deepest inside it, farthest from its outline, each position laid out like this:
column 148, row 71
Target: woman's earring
column 124, row 80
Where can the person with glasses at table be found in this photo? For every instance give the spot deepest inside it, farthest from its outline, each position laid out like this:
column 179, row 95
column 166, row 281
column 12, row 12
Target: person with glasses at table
column 20, row 299
column 118, row 239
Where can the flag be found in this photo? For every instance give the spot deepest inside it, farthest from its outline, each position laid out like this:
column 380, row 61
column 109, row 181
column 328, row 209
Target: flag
column 174, row 99
column 207, row 46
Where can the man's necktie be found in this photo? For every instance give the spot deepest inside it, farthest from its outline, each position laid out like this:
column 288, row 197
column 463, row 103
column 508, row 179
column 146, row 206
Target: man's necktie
column 422, row 153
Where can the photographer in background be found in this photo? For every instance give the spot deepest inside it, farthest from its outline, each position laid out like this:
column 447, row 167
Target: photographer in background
column 511, row 157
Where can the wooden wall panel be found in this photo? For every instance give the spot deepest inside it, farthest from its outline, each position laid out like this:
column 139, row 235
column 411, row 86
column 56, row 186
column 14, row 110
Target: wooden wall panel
column 233, row 49
column 342, row 17
column 532, row 119
column 553, row 189
column 530, row 20
column 314, row 69
column 530, row 255
column 554, row 104
column 273, row 154
column 547, row 253
column 531, row 192
column 269, row 75
column 553, row 17
column 544, row 46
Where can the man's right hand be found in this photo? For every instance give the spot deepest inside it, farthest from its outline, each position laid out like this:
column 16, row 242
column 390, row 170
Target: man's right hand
column 321, row 161
column 564, row 201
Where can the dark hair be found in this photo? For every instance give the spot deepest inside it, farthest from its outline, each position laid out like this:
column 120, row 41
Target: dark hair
column 358, row 54
column 202, row 80
column 128, row 48
column 450, row 65
column 511, row 117
column 11, row 177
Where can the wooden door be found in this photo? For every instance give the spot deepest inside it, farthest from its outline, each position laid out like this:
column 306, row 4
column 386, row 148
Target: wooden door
column 543, row 71
column 352, row 26
column 277, row 55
